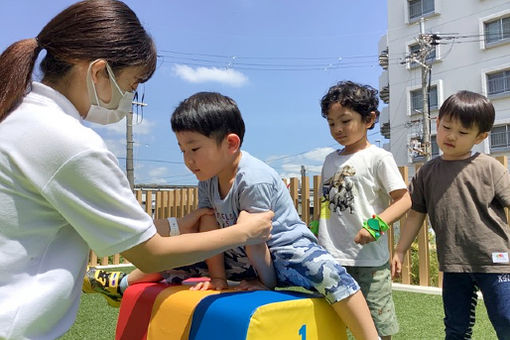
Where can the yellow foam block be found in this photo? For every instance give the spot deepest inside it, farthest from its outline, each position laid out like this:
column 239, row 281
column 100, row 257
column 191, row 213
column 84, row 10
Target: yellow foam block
column 304, row 319
column 172, row 312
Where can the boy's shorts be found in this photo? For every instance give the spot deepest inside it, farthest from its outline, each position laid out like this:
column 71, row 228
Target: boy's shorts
column 375, row 283
column 237, row 268
column 303, row 263
column 306, row 264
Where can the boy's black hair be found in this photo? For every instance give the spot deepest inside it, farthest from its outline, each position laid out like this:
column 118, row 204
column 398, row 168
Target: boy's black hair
column 210, row 114
column 470, row 108
column 360, row 98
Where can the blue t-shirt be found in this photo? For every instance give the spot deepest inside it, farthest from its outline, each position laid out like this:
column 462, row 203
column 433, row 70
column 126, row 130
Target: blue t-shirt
column 256, row 188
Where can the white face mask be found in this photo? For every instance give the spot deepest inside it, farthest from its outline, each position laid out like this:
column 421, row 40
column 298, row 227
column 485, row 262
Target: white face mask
column 112, row 112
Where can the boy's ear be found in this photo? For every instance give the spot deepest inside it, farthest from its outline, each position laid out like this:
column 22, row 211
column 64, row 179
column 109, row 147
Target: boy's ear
column 233, row 142
column 481, row 137
column 371, row 119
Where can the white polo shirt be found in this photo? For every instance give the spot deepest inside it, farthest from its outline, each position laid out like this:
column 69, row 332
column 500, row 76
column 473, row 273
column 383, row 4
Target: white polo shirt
column 61, row 193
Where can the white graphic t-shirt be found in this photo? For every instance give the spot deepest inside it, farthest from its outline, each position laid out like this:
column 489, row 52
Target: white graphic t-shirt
column 355, row 187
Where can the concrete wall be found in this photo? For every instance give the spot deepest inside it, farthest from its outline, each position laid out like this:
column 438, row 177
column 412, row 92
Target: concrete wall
column 461, row 62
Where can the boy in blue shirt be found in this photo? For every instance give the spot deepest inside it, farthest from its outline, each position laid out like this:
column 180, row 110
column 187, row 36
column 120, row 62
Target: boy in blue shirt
column 210, row 130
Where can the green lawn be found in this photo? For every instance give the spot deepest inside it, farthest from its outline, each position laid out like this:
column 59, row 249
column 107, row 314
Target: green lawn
column 420, row 317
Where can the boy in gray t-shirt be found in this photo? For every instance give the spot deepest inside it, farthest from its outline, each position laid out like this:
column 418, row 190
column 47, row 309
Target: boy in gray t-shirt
column 209, row 129
column 464, row 195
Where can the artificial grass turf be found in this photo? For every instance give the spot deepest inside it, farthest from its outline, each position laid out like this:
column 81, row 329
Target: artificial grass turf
column 420, row 317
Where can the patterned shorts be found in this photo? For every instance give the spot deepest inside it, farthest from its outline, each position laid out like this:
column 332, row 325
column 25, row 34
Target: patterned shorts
column 237, row 268
column 303, row 263
column 375, row 284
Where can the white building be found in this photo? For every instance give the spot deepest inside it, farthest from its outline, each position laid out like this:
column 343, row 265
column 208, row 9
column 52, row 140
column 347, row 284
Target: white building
column 473, row 54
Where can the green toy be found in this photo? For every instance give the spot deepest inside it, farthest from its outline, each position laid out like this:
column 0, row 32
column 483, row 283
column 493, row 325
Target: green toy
column 314, row 227
column 375, row 226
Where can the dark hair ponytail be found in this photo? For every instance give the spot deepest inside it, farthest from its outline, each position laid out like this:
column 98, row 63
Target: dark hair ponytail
column 87, row 30
column 16, row 65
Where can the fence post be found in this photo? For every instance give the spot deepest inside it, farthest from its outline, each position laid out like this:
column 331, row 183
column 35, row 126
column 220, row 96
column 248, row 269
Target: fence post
column 165, row 210
column 189, row 202
column 305, row 199
column 195, row 198
column 423, row 249
column 406, row 265
column 294, row 192
column 172, row 210
column 148, row 202
column 317, row 195
column 178, row 203
column 158, row 207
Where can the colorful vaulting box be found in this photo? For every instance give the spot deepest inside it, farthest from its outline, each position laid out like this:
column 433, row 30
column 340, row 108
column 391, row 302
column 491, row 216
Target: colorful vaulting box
column 156, row 311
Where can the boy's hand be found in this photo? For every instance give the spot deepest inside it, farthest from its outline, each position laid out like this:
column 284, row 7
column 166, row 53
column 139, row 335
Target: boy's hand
column 214, row 284
column 257, row 226
column 396, row 263
column 254, row 284
column 363, row 237
column 190, row 222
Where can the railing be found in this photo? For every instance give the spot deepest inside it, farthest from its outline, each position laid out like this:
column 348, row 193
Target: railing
column 178, row 202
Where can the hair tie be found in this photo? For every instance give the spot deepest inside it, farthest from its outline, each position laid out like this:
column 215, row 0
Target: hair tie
column 38, row 44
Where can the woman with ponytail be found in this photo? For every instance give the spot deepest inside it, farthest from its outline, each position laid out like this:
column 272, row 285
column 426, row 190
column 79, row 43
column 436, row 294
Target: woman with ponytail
column 61, row 191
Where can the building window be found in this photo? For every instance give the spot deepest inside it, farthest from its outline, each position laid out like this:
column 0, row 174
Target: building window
column 497, row 30
column 419, row 8
column 417, row 100
column 414, row 49
column 500, row 136
column 498, row 83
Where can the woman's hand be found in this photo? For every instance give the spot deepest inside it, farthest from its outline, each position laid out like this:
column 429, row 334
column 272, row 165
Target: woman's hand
column 257, row 226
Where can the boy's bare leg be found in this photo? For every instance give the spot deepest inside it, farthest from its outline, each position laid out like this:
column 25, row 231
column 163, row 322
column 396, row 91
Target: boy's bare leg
column 355, row 314
column 137, row 276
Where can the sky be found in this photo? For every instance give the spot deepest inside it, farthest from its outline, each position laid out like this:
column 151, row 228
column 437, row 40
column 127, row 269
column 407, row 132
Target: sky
column 276, row 59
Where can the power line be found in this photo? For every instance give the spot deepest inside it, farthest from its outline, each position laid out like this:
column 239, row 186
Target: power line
column 268, row 63
column 153, row 160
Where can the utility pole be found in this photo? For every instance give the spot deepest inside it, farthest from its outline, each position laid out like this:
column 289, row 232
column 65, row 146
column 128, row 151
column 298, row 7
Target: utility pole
column 427, row 44
column 130, row 170
column 425, row 48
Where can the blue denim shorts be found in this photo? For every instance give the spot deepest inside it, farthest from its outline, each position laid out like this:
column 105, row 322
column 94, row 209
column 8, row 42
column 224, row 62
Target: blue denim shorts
column 460, row 299
column 306, row 264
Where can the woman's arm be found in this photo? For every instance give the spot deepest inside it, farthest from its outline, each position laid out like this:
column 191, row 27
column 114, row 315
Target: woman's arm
column 161, row 253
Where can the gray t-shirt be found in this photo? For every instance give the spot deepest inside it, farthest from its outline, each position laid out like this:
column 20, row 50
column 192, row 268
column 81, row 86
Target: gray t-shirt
column 256, row 188
column 465, row 201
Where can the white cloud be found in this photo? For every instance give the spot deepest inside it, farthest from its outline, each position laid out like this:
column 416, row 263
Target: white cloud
column 119, row 128
column 318, row 154
column 158, row 172
column 290, row 165
column 210, row 74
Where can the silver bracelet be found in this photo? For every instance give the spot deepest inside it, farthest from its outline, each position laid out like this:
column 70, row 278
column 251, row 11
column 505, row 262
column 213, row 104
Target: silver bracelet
column 174, row 227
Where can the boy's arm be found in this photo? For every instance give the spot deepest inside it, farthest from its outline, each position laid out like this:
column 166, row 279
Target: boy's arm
column 408, row 233
column 401, row 202
column 260, row 259
column 215, row 264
